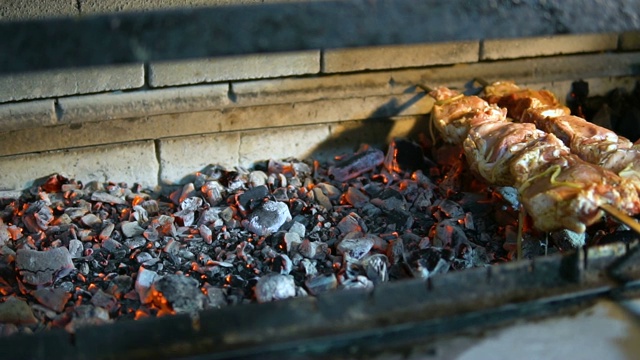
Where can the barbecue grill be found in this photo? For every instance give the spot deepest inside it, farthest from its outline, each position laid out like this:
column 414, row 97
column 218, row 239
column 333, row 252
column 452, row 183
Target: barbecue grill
column 169, row 102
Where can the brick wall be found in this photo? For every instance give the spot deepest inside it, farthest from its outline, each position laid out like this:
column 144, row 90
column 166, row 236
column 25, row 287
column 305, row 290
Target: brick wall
column 157, row 123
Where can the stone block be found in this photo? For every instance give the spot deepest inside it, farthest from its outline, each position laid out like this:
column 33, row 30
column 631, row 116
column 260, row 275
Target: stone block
column 27, row 115
column 142, row 103
column 346, row 137
column 546, row 46
column 326, row 111
column 183, row 156
column 284, row 90
column 130, row 162
column 234, row 68
column 16, row 10
column 630, row 40
column 53, row 83
column 279, row 143
column 399, row 56
column 113, row 6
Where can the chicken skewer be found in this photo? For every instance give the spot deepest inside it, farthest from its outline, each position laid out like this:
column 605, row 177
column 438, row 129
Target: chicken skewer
column 557, row 188
column 591, row 142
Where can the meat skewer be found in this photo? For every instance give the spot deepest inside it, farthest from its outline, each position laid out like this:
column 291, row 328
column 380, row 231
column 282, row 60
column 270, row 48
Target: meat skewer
column 557, row 188
column 591, row 142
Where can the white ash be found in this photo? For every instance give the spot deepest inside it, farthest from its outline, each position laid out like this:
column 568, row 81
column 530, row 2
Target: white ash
column 275, row 287
column 268, row 218
column 43, row 267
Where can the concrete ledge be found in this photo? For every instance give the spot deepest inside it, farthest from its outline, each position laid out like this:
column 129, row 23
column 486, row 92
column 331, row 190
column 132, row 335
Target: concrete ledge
column 326, row 111
column 91, row 7
column 55, row 83
column 180, row 157
column 27, row 115
column 142, row 103
column 14, row 10
column 630, row 40
column 546, row 46
column 99, row 107
column 234, row 68
column 299, row 142
column 402, row 56
column 131, row 163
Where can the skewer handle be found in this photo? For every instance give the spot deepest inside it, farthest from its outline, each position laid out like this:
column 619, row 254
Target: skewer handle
column 621, row 217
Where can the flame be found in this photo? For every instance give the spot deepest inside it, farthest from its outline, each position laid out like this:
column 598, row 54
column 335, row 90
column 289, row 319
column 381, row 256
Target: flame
column 141, row 313
column 137, row 200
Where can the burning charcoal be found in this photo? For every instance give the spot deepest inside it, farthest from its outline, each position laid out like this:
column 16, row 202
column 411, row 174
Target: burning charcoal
column 212, row 191
column 253, row 197
column 451, row 209
column 188, row 206
column 355, row 247
column 268, row 218
column 321, row 283
column 399, row 220
column 567, row 239
column 281, row 194
column 330, row 191
column 107, row 198
column 76, row 248
column 140, row 214
column 377, row 268
column 143, row 284
column 90, row 220
column 432, row 262
column 16, row 311
column 309, row 267
column 87, row 315
column 322, row 199
column 216, row 297
column 120, row 285
column 292, row 241
column 356, row 197
column 106, row 232
column 350, row 223
column 206, row 233
column 357, row 282
column 357, row 164
column 111, row 245
column 143, row 257
column 510, row 195
column 313, row 249
column 298, row 228
column 371, row 210
column 151, row 206
column 135, row 243
column 449, row 233
column 257, row 178
column 179, row 292
column 37, row 216
column 53, row 298
column 131, row 229
column 274, row 287
column 104, row 300
column 282, row 264
column 43, row 267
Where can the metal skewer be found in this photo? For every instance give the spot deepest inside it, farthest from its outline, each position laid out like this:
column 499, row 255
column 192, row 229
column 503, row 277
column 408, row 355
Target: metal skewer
column 621, row 217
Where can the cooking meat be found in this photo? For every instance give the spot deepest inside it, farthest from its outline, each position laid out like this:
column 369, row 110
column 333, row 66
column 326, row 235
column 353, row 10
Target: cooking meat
column 589, row 141
column 557, row 188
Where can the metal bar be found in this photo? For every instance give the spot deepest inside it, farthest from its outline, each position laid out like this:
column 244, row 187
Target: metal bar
column 233, row 30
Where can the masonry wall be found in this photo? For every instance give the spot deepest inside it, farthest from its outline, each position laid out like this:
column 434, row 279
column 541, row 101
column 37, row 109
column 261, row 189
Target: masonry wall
column 157, row 123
